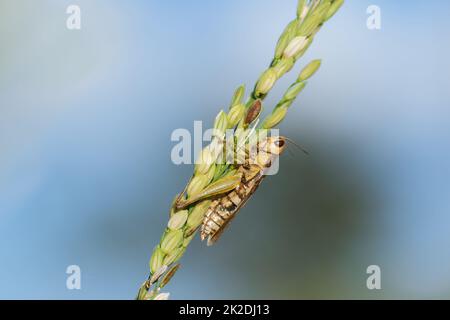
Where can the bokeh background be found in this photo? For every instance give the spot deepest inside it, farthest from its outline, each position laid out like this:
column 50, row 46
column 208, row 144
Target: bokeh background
column 85, row 170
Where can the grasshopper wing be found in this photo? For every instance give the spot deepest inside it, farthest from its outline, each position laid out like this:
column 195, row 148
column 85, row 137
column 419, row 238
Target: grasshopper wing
column 224, row 209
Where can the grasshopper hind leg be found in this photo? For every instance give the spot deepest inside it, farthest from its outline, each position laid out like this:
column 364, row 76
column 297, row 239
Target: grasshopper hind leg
column 218, row 188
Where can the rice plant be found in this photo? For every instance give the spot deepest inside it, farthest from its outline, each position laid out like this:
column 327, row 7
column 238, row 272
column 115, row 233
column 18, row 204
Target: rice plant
column 188, row 211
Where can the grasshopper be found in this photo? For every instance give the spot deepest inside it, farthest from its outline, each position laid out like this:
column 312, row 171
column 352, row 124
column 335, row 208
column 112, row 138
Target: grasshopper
column 230, row 193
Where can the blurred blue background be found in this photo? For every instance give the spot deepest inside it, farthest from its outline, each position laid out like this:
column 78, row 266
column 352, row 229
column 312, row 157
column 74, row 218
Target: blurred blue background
column 85, row 170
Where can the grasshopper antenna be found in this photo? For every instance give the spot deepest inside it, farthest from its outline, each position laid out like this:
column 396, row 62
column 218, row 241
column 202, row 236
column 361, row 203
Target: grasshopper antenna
column 297, row 145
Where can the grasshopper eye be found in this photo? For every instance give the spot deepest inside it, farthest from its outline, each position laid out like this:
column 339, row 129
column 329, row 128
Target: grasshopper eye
column 279, row 143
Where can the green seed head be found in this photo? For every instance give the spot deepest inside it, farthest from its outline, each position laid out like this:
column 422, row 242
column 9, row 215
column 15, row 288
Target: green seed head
column 235, row 115
column 308, row 27
column 172, row 240
column 295, row 47
column 221, row 122
column 302, row 52
column 294, row 90
column 285, row 104
column 301, row 8
column 322, row 11
column 216, row 148
column 180, row 253
column 187, row 240
column 211, row 172
column 266, row 82
column 204, row 162
column 335, row 6
column 178, row 220
column 284, row 66
column 238, row 95
column 314, row 20
column 197, row 184
column 309, row 70
column 286, row 36
column 198, row 213
column 157, row 274
column 275, row 118
column 281, row 45
column 173, row 256
column 156, row 260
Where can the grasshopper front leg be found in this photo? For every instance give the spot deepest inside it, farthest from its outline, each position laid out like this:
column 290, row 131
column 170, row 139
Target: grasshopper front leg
column 221, row 186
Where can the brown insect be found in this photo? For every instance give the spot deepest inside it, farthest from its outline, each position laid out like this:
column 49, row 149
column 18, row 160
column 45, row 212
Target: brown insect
column 230, row 193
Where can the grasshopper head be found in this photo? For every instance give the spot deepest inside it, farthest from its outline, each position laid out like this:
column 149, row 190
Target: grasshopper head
column 274, row 145
column 269, row 149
